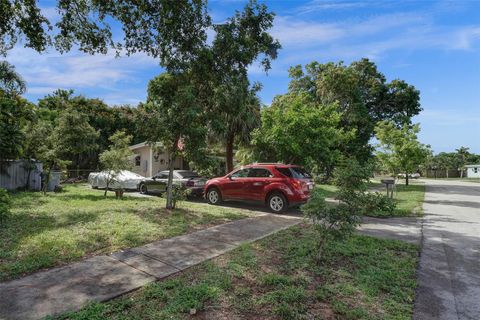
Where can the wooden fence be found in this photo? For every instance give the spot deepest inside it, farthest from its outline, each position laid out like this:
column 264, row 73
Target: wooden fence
column 14, row 175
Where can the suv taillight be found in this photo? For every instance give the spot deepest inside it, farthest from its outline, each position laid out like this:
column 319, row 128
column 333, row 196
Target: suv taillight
column 298, row 184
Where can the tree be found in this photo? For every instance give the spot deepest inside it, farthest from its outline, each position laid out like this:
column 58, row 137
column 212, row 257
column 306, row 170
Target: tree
column 15, row 112
column 239, row 42
column 362, row 95
column 104, row 119
column 75, row 136
column 116, row 158
column 297, row 130
column 337, row 222
column 150, row 26
column 238, row 124
column 174, row 117
column 36, row 132
column 399, row 149
column 50, row 151
column 10, row 81
column 462, row 156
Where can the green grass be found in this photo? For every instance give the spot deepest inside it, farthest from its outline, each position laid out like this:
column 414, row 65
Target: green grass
column 409, row 199
column 277, row 278
column 327, row 190
column 46, row 231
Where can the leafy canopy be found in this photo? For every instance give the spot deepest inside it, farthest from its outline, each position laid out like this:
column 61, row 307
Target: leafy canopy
column 296, row 129
column 172, row 31
column 399, row 149
column 363, row 98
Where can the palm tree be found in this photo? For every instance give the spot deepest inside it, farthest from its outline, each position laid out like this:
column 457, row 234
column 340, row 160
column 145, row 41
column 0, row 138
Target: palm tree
column 462, row 154
column 239, row 113
column 10, row 81
column 240, row 125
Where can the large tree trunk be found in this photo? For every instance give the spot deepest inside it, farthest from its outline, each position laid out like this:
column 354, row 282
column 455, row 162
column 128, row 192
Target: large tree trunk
column 446, row 173
column 406, row 179
column 171, row 166
column 229, row 152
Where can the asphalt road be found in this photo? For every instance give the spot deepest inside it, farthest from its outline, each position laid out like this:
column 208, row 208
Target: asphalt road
column 449, row 270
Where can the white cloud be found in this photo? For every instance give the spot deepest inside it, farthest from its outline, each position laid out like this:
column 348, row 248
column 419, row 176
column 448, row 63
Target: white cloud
column 322, row 5
column 304, row 41
column 294, row 32
column 77, row 70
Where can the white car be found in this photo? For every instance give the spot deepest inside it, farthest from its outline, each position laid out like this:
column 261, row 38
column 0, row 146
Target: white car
column 415, row 175
column 125, row 180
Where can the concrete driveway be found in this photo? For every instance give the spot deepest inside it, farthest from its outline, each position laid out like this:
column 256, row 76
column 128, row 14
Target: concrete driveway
column 449, row 272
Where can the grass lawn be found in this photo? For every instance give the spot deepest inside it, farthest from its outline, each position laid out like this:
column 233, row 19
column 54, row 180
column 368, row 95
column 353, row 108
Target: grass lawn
column 46, row 231
column 409, row 198
column 276, row 278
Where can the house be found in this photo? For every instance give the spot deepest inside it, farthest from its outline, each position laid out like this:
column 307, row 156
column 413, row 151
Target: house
column 149, row 159
column 473, row 170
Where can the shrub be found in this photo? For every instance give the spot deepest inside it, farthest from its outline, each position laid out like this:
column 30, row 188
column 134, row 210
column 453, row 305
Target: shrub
column 333, row 222
column 330, row 222
column 377, row 205
column 179, row 193
column 5, row 203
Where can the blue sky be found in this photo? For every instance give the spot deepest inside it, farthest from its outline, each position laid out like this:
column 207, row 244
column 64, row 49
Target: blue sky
column 434, row 45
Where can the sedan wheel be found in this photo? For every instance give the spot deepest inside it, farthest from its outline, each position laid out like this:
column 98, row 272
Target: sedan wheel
column 213, row 196
column 277, row 202
column 143, row 189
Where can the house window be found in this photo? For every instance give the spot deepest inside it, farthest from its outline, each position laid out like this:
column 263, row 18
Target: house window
column 138, row 161
column 475, row 170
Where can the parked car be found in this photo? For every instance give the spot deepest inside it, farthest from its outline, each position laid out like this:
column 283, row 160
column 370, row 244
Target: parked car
column 276, row 185
column 125, row 179
column 186, row 178
column 415, row 175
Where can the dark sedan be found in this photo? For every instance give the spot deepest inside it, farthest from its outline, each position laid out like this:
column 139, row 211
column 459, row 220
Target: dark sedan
column 185, row 178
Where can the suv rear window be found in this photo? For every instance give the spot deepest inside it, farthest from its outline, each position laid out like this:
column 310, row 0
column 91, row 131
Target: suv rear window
column 294, row 172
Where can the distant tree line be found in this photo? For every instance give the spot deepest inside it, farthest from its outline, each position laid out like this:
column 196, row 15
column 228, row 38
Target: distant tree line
column 444, row 162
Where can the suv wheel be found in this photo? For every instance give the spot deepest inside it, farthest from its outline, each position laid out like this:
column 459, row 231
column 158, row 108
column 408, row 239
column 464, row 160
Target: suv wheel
column 277, row 202
column 213, row 196
column 143, row 189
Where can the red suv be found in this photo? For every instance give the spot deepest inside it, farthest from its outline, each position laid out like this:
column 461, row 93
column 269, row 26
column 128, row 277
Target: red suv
column 274, row 184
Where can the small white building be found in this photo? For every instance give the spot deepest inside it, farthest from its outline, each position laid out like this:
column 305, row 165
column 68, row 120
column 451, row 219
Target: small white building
column 473, row 170
column 148, row 160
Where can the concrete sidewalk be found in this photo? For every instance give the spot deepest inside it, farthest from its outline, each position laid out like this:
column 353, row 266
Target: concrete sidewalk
column 101, row 278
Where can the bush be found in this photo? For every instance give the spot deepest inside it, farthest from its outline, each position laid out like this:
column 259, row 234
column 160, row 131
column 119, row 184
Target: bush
column 5, row 203
column 332, row 222
column 179, row 193
column 377, row 205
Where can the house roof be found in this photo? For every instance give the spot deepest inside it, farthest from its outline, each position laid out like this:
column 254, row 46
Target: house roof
column 144, row 144
column 472, row 166
column 180, row 145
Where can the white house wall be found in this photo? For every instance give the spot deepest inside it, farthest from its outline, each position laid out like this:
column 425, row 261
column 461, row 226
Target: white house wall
column 473, row 172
